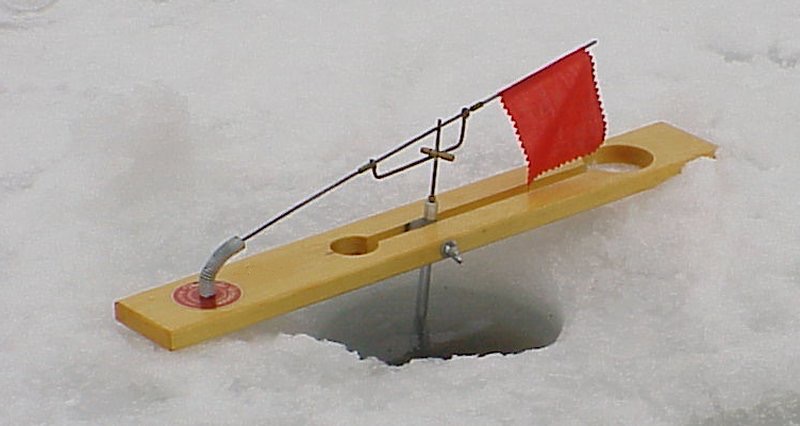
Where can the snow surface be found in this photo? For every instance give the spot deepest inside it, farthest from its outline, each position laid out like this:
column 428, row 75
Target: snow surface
column 137, row 135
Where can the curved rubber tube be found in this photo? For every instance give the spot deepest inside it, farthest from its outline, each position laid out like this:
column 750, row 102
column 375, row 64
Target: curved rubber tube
column 221, row 255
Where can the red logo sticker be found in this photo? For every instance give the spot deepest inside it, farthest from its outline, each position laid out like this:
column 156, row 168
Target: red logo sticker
column 189, row 295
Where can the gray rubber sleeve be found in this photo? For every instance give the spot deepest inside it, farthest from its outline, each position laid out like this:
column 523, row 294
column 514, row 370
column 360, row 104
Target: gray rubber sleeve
column 221, row 255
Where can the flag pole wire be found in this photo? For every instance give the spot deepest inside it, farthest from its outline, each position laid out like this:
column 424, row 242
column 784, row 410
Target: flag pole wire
column 436, row 155
column 372, row 164
column 236, row 244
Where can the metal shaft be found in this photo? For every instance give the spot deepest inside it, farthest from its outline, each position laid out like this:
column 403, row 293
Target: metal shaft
column 421, row 339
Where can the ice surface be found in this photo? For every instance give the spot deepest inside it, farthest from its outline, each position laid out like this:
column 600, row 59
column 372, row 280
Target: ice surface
column 137, row 135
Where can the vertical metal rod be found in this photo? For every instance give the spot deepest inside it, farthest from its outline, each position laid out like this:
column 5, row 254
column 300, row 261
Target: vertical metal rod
column 421, row 340
column 435, row 172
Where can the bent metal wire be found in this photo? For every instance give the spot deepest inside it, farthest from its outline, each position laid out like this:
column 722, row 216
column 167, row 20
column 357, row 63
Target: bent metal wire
column 236, row 244
column 373, row 163
column 206, row 282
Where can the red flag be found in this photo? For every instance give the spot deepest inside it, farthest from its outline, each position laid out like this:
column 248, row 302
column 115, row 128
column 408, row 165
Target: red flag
column 557, row 113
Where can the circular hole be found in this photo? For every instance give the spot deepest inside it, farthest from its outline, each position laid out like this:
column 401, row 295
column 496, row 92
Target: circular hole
column 460, row 322
column 354, row 246
column 496, row 302
column 463, row 319
column 619, row 159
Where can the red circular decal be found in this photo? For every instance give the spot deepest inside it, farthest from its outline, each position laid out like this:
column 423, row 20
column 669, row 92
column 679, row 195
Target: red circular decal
column 189, row 295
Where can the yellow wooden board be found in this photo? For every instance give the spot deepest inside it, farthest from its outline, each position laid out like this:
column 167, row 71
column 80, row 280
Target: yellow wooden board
column 369, row 250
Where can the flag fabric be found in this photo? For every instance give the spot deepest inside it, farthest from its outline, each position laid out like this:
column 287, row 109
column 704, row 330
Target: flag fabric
column 557, row 113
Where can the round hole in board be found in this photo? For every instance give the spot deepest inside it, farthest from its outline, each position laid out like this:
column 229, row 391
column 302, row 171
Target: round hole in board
column 354, row 246
column 619, row 159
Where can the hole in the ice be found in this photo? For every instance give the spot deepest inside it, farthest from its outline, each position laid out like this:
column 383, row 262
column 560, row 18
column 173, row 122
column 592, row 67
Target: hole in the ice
column 461, row 321
column 619, row 159
column 501, row 300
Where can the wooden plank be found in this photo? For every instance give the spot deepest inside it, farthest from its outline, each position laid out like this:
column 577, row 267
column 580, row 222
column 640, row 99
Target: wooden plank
column 369, row 250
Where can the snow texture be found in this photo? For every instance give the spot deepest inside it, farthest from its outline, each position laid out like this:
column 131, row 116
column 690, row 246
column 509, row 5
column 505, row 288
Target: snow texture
column 137, row 135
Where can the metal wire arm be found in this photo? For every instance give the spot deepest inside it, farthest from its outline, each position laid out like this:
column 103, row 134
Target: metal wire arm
column 207, row 278
column 236, row 244
column 372, row 164
column 430, row 154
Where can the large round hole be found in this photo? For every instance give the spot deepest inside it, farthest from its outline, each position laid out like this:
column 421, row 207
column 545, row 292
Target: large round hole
column 619, row 159
column 353, row 246
column 493, row 303
column 472, row 311
column 461, row 321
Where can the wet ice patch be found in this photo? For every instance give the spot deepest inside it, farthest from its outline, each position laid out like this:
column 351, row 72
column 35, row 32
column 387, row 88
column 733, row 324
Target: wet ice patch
column 27, row 5
column 13, row 182
column 773, row 410
column 138, row 138
column 133, row 167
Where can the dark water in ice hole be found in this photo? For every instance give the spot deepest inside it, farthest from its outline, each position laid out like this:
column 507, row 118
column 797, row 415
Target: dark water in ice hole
column 467, row 316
